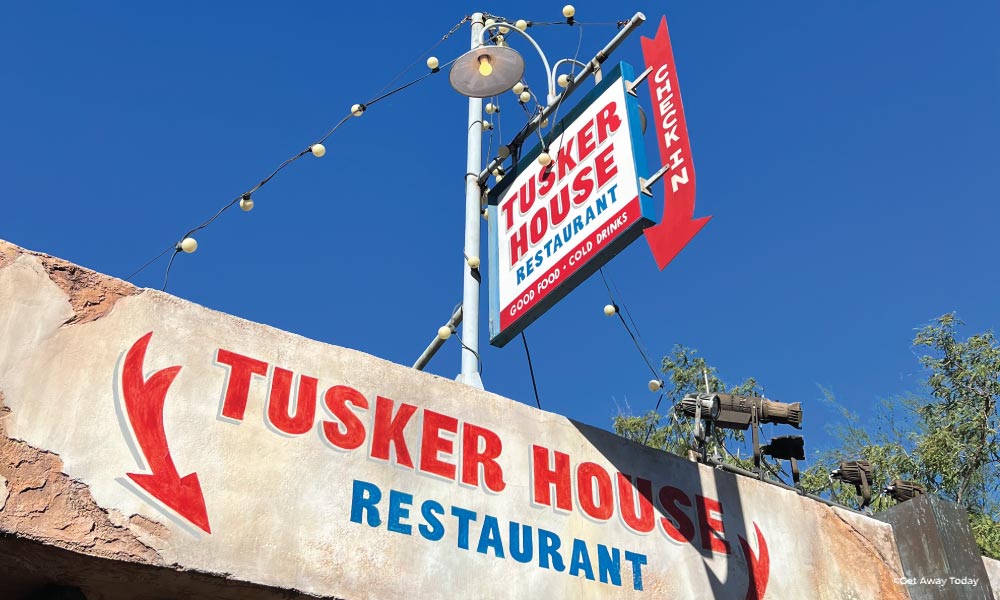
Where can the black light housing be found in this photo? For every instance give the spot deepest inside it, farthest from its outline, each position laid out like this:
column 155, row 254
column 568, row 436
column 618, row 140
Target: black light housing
column 901, row 490
column 859, row 473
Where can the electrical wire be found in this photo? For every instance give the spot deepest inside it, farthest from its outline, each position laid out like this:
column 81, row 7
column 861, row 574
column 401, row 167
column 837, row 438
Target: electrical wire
column 531, row 369
column 246, row 195
column 627, row 328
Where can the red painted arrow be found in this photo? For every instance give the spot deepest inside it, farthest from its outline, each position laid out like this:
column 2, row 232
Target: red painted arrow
column 758, row 567
column 144, row 399
column 678, row 227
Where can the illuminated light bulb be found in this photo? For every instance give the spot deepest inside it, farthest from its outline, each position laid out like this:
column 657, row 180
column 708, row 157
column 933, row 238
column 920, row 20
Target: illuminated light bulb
column 432, row 63
column 246, row 203
column 521, row 24
column 485, row 68
column 563, row 80
column 655, row 385
column 358, row 109
column 525, row 97
column 318, row 150
column 609, row 309
column 444, row 332
column 188, row 245
column 518, row 88
column 473, row 262
column 490, row 23
column 491, row 108
column 503, row 152
column 544, row 159
column 569, row 11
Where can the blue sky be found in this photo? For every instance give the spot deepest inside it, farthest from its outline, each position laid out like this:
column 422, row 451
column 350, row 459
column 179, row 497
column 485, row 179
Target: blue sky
column 847, row 152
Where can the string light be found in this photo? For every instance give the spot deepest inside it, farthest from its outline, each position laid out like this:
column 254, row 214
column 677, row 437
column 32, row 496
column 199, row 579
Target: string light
column 358, row 109
column 318, row 150
column 188, row 245
column 491, row 108
column 246, row 203
column 544, row 159
column 610, row 309
column 521, row 24
column 444, row 332
column 524, row 97
column 432, row 63
column 518, row 88
column 473, row 262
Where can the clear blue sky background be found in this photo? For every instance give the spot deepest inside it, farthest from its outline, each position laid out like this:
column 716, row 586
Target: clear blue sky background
column 848, row 152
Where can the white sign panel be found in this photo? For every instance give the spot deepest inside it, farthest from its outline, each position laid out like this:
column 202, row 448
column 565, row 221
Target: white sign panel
column 553, row 225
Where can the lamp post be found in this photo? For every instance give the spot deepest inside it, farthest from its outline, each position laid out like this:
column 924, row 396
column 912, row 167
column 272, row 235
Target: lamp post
column 482, row 72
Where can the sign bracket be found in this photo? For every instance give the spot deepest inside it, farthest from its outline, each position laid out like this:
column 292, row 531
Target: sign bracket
column 645, row 185
column 630, row 86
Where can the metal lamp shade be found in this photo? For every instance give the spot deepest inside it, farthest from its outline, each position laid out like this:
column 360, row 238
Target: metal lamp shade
column 508, row 67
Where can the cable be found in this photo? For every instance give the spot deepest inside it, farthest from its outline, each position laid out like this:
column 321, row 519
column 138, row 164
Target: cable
column 246, row 195
column 627, row 329
column 531, row 369
column 170, row 263
column 653, row 423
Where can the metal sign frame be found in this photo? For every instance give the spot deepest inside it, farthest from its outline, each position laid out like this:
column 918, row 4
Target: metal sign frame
column 644, row 207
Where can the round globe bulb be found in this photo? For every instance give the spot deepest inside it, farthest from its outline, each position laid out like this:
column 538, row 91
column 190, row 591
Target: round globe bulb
column 521, row 24
column 189, row 245
column 503, row 152
column 357, row 110
column 487, row 125
column 544, row 123
column 486, row 215
column 655, row 385
column 610, row 310
column 490, row 23
column 525, row 97
column 504, row 29
column 563, row 80
column 318, row 150
column 569, row 11
column 432, row 63
column 473, row 262
column 544, row 159
column 444, row 332
column 490, row 108
column 518, row 88
column 246, row 204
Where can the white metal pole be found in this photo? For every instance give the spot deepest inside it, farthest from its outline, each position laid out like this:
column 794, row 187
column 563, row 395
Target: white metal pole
column 470, row 290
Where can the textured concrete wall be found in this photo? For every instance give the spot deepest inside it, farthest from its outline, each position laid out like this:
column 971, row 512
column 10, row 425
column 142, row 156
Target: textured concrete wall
column 140, row 427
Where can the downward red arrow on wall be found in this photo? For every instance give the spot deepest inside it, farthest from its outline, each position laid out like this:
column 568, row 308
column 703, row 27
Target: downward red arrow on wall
column 678, row 225
column 144, row 400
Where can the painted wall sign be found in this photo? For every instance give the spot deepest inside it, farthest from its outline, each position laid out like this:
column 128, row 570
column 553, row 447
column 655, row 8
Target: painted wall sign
column 270, row 458
column 552, row 226
column 678, row 225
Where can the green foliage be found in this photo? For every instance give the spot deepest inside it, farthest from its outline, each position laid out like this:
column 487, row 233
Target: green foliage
column 944, row 438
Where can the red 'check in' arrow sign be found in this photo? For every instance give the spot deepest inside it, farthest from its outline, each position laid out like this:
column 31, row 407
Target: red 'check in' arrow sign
column 677, row 227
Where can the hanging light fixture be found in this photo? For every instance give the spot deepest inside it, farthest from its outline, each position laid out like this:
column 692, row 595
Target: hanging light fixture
column 486, row 71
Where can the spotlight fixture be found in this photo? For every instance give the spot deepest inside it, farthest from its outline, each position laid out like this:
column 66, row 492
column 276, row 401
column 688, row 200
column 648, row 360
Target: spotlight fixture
column 901, row 490
column 858, row 473
column 787, row 447
column 732, row 411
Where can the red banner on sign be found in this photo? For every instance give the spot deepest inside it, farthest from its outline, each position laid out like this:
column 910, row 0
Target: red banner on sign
column 677, row 227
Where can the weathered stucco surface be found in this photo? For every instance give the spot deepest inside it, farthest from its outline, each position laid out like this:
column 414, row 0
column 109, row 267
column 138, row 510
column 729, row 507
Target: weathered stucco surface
column 280, row 505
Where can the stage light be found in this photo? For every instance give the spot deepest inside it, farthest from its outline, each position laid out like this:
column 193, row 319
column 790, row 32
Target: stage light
column 787, row 447
column 704, row 405
column 859, row 474
column 901, row 490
